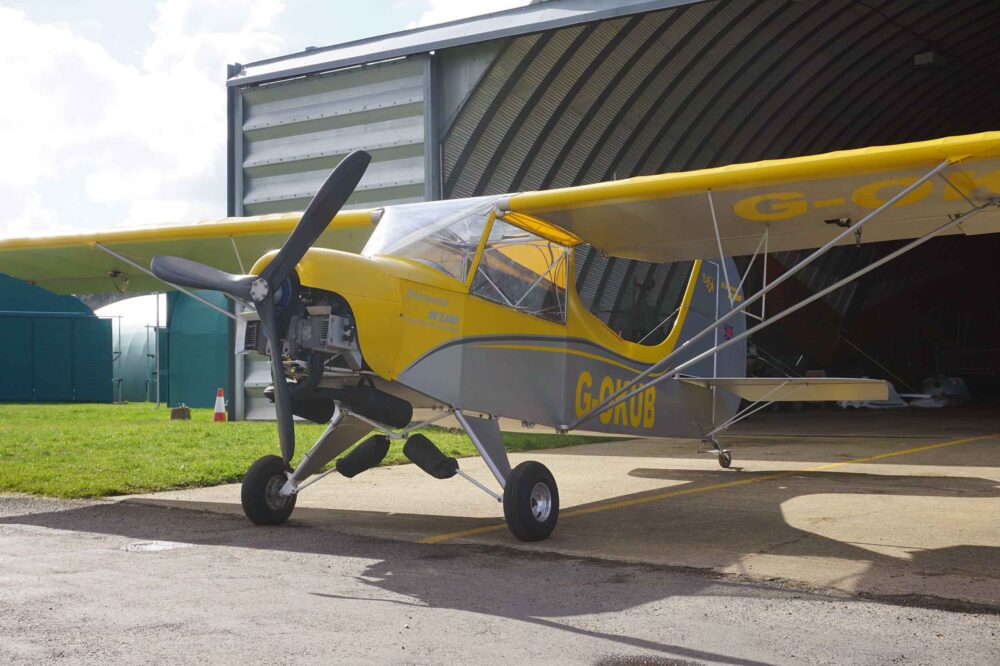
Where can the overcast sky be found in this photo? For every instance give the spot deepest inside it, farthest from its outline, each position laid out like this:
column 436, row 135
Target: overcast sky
column 114, row 112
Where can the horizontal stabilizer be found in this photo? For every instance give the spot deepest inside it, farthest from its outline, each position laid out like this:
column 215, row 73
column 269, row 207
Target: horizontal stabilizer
column 796, row 389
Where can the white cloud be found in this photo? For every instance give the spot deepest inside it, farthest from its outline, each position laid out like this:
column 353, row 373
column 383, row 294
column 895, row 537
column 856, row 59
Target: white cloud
column 442, row 11
column 90, row 141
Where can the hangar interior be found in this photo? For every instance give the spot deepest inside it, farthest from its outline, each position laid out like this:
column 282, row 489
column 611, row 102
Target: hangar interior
column 570, row 92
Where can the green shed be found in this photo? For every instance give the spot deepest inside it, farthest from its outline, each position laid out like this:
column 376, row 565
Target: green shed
column 52, row 348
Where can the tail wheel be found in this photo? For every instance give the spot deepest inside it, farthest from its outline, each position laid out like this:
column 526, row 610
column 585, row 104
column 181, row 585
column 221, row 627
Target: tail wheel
column 531, row 501
column 263, row 504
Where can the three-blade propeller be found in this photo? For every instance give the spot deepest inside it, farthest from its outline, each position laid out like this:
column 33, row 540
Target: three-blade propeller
column 263, row 289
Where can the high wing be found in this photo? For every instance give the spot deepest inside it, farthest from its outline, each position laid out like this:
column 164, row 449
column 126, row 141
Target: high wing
column 803, row 202
column 84, row 263
column 794, row 389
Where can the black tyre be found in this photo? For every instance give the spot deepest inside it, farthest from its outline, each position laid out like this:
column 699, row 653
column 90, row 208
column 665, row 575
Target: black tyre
column 531, row 501
column 725, row 459
column 261, row 502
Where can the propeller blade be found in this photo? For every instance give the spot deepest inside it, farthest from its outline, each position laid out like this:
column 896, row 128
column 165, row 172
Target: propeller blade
column 187, row 273
column 324, row 206
column 282, row 396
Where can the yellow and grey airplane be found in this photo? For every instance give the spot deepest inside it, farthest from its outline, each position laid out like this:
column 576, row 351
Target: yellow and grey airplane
column 481, row 308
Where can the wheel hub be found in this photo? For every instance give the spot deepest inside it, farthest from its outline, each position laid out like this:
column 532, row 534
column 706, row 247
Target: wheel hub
column 272, row 494
column 541, row 502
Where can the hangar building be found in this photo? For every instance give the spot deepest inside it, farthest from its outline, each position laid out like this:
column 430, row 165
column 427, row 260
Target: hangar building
column 577, row 91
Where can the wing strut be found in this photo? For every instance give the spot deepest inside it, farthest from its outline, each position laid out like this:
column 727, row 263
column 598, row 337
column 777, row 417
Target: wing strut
column 170, row 284
column 635, row 386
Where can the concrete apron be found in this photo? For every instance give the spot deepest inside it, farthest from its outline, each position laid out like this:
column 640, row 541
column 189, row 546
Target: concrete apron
column 816, row 513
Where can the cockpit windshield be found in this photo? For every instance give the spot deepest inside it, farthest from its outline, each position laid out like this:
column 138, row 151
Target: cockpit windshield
column 443, row 235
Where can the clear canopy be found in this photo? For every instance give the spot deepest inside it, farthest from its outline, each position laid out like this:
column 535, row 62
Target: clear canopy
column 443, row 235
column 518, row 269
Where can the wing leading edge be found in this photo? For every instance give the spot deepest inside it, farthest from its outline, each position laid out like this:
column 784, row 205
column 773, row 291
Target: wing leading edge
column 76, row 264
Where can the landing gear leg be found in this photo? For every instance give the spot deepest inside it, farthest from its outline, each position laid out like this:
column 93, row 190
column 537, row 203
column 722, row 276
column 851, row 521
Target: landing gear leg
column 725, row 455
column 530, row 494
column 271, row 485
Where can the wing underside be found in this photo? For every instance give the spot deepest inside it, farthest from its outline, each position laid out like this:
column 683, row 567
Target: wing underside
column 80, row 264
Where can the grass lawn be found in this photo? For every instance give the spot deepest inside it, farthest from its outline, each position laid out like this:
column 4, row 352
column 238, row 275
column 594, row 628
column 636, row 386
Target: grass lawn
column 83, row 450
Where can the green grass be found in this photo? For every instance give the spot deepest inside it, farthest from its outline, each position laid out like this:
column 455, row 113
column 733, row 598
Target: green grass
column 97, row 450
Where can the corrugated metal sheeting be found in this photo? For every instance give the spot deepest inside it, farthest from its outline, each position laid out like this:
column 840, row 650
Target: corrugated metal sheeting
column 722, row 82
column 295, row 131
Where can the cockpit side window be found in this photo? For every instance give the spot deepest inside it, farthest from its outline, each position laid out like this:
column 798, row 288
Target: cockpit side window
column 523, row 271
column 637, row 300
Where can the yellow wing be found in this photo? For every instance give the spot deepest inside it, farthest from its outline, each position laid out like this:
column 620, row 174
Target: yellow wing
column 800, row 200
column 75, row 264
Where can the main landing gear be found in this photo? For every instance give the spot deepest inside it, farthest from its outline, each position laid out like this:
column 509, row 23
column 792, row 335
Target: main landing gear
column 531, row 501
column 530, row 496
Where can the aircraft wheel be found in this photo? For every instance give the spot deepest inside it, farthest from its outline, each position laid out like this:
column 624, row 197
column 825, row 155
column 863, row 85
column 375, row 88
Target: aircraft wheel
column 262, row 503
column 531, row 501
column 725, row 459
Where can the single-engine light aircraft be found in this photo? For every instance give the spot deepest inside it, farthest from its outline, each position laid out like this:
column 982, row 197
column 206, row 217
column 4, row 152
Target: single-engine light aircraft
column 484, row 308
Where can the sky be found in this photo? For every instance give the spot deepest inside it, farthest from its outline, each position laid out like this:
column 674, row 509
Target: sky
column 115, row 111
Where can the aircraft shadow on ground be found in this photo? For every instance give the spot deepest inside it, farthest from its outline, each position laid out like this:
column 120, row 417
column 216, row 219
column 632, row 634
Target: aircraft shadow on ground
column 419, row 572
column 810, row 450
column 744, row 520
column 756, row 509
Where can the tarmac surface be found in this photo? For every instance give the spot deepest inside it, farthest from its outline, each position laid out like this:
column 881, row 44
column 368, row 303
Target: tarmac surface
column 837, row 537
column 888, row 505
column 107, row 582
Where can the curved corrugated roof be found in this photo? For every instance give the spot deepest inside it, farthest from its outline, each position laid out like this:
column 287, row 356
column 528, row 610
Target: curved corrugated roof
column 722, row 82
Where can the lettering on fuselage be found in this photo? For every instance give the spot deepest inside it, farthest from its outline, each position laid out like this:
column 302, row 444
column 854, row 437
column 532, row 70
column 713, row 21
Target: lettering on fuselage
column 786, row 205
column 443, row 317
column 437, row 317
column 638, row 411
column 427, row 298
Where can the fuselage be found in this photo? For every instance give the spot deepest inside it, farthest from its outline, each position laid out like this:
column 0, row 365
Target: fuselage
column 538, row 358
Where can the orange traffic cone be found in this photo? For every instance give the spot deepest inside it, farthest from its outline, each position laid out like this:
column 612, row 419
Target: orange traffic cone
column 220, row 407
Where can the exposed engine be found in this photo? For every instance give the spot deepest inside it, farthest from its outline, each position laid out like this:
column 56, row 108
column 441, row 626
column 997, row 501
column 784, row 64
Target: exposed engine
column 318, row 337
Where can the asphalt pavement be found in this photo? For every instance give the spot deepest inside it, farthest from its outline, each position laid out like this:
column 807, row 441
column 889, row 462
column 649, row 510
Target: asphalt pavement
column 112, row 582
